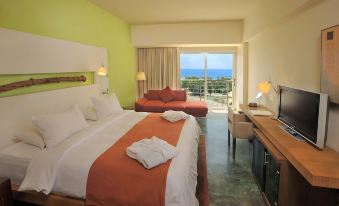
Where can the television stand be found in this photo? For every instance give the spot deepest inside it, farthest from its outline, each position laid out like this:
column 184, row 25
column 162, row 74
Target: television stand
column 292, row 133
column 289, row 172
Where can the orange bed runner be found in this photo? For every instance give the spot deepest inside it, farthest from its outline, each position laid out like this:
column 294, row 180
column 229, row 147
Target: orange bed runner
column 116, row 179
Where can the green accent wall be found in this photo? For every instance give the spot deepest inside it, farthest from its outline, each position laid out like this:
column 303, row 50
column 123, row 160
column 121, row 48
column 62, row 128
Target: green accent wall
column 6, row 79
column 83, row 22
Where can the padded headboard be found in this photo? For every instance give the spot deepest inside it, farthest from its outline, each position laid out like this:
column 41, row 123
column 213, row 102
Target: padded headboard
column 16, row 111
column 26, row 53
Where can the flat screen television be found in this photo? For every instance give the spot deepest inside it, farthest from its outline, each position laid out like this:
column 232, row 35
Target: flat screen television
column 305, row 113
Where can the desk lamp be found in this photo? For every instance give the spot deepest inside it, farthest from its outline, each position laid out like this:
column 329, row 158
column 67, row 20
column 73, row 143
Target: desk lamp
column 264, row 88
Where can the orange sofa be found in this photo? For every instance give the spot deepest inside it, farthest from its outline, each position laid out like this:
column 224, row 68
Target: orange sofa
column 153, row 102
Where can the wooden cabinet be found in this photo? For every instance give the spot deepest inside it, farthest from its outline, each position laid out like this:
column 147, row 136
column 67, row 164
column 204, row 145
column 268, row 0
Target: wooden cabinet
column 307, row 176
column 280, row 183
column 5, row 192
column 266, row 164
column 258, row 163
column 272, row 174
column 319, row 167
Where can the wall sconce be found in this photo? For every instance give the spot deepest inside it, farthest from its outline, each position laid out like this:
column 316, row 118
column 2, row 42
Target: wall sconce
column 102, row 74
column 141, row 76
column 102, row 71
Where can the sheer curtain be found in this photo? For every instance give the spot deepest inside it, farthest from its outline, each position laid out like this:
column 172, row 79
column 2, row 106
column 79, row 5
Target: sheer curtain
column 161, row 66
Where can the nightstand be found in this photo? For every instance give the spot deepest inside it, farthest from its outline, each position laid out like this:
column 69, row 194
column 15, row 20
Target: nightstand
column 5, row 192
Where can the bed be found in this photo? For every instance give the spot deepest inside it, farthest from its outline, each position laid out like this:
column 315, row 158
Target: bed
column 61, row 173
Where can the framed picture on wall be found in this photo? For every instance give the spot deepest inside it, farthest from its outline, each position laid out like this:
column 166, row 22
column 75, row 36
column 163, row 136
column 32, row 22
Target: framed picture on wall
column 330, row 63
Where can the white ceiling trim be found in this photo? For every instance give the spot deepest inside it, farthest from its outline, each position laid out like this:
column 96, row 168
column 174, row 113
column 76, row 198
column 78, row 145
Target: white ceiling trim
column 177, row 11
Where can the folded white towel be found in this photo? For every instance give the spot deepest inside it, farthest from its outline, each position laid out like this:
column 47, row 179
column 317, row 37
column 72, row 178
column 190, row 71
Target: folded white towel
column 174, row 116
column 151, row 152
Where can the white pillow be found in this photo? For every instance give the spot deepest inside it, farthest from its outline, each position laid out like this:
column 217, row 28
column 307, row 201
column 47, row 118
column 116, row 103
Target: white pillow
column 106, row 105
column 90, row 114
column 55, row 128
column 30, row 137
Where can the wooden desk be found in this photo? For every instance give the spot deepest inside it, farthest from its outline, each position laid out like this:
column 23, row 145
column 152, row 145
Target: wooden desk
column 319, row 167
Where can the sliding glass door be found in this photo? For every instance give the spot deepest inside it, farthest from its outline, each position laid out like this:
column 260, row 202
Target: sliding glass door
column 208, row 77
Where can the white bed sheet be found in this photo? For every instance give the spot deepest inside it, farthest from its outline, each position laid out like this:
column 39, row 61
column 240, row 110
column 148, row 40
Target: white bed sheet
column 15, row 159
column 21, row 150
column 64, row 169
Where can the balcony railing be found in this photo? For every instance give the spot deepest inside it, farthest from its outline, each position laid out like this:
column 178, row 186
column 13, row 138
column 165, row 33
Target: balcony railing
column 218, row 92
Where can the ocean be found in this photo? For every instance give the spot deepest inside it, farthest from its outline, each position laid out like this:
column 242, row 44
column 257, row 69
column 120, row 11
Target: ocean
column 212, row 73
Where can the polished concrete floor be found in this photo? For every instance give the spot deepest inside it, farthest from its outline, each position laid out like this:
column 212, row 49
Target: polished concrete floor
column 230, row 182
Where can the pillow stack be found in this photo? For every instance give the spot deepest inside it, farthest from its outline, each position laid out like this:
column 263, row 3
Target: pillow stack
column 31, row 137
column 106, row 105
column 52, row 129
column 167, row 94
column 55, row 128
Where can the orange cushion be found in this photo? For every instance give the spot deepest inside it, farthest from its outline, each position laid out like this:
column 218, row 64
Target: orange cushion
column 180, row 95
column 166, row 94
column 153, row 95
column 153, row 106
column 175, row 105
column 196, row 107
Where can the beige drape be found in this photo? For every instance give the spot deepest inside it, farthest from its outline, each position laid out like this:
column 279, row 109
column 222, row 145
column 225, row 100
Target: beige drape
column 161, row 66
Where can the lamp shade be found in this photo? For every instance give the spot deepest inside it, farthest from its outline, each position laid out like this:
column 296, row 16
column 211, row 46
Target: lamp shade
column 102, row 71
column 264, row 87
column 141, row 76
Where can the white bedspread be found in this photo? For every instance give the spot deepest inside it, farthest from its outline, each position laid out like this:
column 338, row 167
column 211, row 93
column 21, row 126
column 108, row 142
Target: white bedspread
column 64, row 169
column 14, row 160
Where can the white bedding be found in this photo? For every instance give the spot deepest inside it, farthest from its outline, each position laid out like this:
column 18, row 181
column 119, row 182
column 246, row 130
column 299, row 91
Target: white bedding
column 64, row 169
column 21, row 150
column 15, row 159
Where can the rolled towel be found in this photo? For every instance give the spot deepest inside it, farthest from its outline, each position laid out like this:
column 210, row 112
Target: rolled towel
column 174, row 116
column 151, row 152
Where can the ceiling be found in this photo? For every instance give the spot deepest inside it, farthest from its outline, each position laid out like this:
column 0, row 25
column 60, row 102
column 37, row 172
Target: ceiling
column 176, row 11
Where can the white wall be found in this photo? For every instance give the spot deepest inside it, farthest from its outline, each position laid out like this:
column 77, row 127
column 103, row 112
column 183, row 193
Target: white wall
column 210, row 33
column 242, row 74
column 289, row 53
column 271, row 13
column 25, row 53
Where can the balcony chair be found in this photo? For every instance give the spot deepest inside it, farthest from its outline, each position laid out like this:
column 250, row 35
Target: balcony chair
column 239, row 127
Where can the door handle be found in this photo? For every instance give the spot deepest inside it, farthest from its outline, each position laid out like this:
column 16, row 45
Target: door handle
column 266, row 162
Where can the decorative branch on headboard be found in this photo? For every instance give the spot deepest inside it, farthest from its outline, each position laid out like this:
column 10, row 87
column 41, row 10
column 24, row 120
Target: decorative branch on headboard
column 31, row 82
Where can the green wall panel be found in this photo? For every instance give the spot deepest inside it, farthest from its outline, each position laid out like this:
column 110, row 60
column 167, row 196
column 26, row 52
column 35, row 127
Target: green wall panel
column 79, row 21
column 6, row 79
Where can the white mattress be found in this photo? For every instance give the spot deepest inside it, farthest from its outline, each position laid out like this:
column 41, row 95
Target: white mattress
column 15, row 159
column 64, row 169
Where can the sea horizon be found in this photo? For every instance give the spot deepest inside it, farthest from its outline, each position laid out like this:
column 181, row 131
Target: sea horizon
column 212, row 73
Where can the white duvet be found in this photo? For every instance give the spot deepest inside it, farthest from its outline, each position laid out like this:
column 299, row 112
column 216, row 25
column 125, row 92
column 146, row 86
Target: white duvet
column 64, row 169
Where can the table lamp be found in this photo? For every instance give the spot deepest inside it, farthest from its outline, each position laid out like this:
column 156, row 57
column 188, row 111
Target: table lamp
column 141, row 76
column 264, row 87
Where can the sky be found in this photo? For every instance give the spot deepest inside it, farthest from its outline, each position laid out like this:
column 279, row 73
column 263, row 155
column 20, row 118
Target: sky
column 215, row 61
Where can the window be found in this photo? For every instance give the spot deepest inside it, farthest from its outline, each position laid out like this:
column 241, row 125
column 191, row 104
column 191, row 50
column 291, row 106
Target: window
column 212, row 71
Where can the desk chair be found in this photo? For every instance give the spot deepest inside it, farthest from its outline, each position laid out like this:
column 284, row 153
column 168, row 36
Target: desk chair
column 239, row 127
